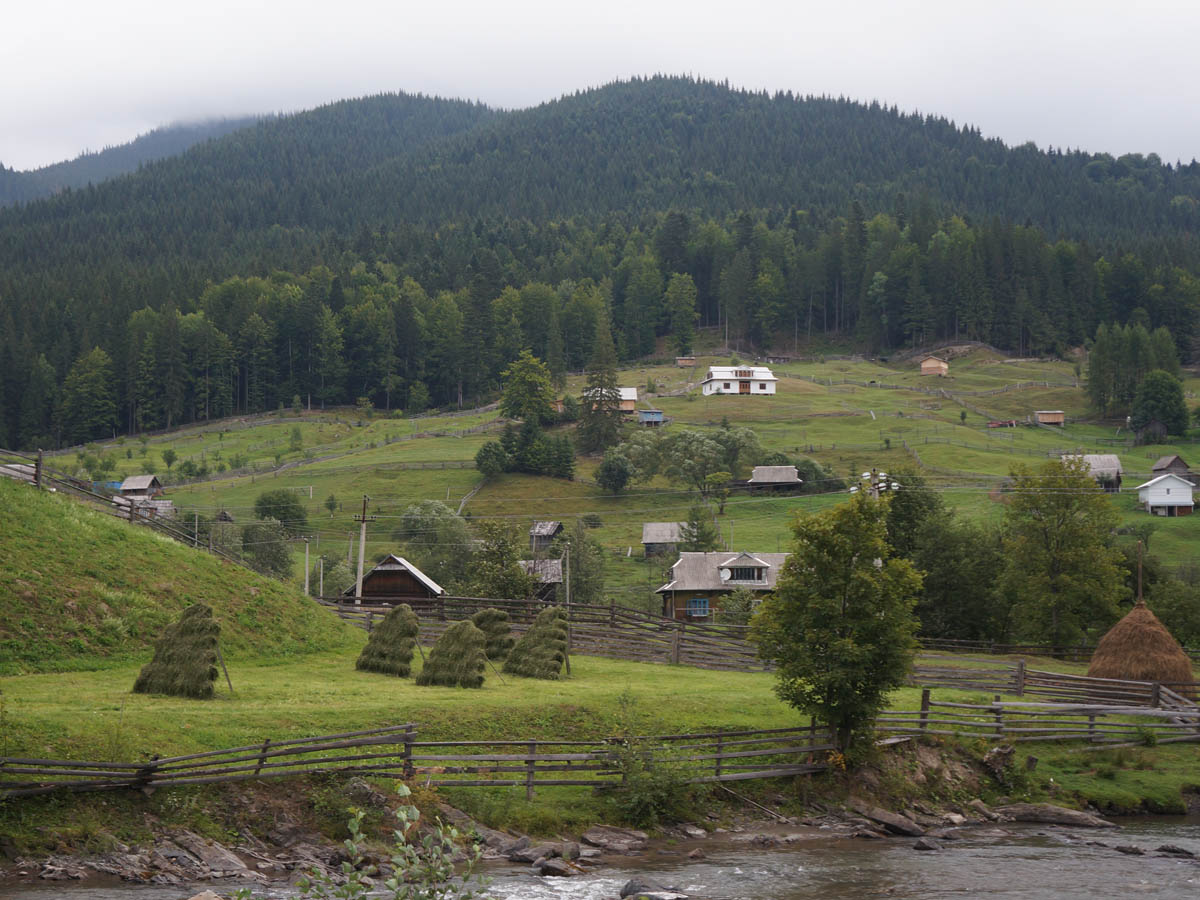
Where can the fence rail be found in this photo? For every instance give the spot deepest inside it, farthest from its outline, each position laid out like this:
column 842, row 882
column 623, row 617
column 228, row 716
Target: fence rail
column 394, row 752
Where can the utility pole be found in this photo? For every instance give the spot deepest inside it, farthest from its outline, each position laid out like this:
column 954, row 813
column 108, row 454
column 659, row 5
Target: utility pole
column 306, row 567
column 362, row 546
column 567, row 581
column 320, row 576
column 875, row 483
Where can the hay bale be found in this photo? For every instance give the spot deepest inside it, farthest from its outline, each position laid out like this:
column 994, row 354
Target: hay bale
column 390, row 647
column 1139, row 648
column 185, row 657
column 458, row 658
column 542, row 650
column 494, row 623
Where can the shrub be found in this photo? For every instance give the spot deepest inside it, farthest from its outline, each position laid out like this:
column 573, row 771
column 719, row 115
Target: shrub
column 390, row 647
column 185, row 657
column 458, row 658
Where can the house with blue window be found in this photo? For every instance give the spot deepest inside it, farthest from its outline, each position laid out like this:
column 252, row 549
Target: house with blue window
column 698, row 581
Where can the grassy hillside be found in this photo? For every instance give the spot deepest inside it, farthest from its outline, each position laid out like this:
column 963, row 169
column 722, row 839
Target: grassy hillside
column 82, row 590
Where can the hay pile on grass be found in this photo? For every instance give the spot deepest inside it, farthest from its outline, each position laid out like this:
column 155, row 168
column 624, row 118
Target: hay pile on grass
column 458, row 658
column 1139, row 648
column 494, row 623
column 390, row 647
column 185, row 657
column 542, row 650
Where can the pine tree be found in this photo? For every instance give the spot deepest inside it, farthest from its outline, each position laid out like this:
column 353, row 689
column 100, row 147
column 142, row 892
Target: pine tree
column 89, row 407
column 600, row 412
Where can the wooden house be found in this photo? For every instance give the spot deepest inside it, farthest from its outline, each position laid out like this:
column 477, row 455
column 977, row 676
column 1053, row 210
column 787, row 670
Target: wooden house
column 139, row 497
column 650, row 418
column 661, row 538
column 141, row 486
column 774, row 478
column 627, row 402
column 700, row 580
column 1050, row 417
column 1173, row 465
column 394, row 581
column 934, row 365
column 738, row 380
column 541, row 534
column 549, row 573
column 1166, row 495
column 685, row 362
column 1104, row 467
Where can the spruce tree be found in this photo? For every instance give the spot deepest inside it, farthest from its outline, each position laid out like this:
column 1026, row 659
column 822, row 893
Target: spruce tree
column 600, row 415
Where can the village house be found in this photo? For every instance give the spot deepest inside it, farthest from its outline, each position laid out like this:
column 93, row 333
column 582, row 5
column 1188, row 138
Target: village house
column 628, row 401
column 1050, row 417
column 738, row 380
column 934, row 365
column 141, row 486
column 1167, row 495
column 541, row 534
column 549, row 573
column 700, row 580
column 139, row 497
column 1104, row 467
column 394, row 581
column 1173, row 465
column 774, row 478
column 661, row 538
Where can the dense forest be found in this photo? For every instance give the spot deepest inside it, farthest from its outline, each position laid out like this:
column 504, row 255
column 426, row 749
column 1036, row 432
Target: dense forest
column 406, row 249
column 94, row 167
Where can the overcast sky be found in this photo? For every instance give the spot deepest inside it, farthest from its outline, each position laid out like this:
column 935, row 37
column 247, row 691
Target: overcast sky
column 1104, row 76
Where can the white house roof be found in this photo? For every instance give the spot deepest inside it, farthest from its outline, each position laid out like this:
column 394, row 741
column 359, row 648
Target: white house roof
column 775, row 475
column 628, row 393
column 394, row 563
column 1170, row 476
column 723, row 373
column 661, row 532
column 1099, row 463
column 701, row 571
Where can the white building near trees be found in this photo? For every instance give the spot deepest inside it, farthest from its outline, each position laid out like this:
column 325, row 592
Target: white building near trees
column 738, row 380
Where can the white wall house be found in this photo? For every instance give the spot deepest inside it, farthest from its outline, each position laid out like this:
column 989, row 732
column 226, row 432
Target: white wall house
column 738, row 380
column 1166, row 495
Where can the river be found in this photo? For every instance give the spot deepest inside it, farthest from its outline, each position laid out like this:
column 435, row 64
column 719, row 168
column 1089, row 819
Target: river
column 1028, row 862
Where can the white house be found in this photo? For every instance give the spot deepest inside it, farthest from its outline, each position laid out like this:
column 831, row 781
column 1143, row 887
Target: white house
column 738, row 380
column 1166, row 495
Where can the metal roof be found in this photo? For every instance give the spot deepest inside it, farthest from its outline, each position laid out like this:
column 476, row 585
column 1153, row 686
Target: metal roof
column 140, row 483
column 701, row 571
column 545, row 529
column 661, row 532
column 758, row 373
column 1099, row 463
column 775, row 475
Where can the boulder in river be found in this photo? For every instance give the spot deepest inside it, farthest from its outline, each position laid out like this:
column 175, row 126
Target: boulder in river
column 893, row 822
column 1049, row 814
column 615, row 840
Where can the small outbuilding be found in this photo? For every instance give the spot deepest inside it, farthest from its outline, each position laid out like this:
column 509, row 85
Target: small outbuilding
column 775, row 478
column 1140, row 648
column 541, row 534
column 549, row 574
column 395, row 580
column 147, row 486
column 1104, row 467
column 1050, row 417
column 1172, row 465
column 934, row 365
column 1167, row 495
column 685, row 362
column 627, row 402
column 650, row 418
column 661, row 538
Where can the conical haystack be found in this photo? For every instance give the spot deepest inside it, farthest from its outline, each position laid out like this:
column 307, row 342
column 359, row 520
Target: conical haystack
column 185, row 657
column 495, row 624
column 1139, row 648
column 457, row 659
column 390, row 647
column 542, row 650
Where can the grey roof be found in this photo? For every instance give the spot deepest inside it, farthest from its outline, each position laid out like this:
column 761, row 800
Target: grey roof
column 140, row 483
column 1164, row 461
column 661, row 532
column 547, row 571
column 701, row 571
column 545, row 529
column 394, row 563
column 775, row 475
column 1102, row 464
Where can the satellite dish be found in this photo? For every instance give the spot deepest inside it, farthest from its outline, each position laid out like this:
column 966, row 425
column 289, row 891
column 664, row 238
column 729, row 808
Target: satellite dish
column 854, row 489
column 725, row 573
column 866, row 475
column 883, row 474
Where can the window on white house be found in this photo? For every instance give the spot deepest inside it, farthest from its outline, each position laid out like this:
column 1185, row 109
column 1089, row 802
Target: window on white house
column 762, row 385
column 726, row 385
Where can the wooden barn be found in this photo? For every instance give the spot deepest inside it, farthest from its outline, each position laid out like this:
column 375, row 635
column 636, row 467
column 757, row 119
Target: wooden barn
column 141, row 486
column 934, row 365
column 775, row 478
column 549, row 573
column 700, row 580
column 661, row 538
column 1173, row 465
column 395, row 580
column 541, row 534
column 1104, row 467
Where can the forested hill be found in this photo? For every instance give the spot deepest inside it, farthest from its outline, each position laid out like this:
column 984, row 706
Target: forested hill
column 94, row 167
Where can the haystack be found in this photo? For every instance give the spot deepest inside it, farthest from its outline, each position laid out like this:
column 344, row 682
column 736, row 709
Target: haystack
column 1139, row 648
column 185, row 657
column 494, row 623
column 390, row 647
column 542, row 650
column 458, row 658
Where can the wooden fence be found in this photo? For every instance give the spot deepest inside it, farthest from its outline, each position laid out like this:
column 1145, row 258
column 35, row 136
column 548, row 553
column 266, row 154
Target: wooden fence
column 611, row 630
column 1012, row 721
column 1074, row 653
column 394, row 752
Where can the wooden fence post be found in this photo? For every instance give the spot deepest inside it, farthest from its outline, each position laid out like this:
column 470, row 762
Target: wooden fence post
column 262, row 757
column 1092, row 728
column 999, row 715
column 37, row 471
column 1020, row 678
column 529, row 770
column 677, row 639
column 408, row 742
column 720, row 753
column 1155, row 694
column 924, row 709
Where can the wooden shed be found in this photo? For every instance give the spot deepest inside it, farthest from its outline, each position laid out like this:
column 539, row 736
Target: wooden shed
column 1104, row 467
column 549, row 573
column 685, row 362
column 141, row 486
column 542, row 533
column 775, row 478
column 1049, row 417
column 934, row 365
column 650, row 418
column 1173, row 465
column 395, row 580
column 661, row 538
